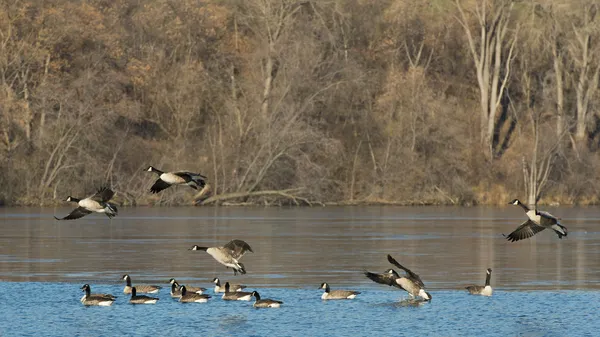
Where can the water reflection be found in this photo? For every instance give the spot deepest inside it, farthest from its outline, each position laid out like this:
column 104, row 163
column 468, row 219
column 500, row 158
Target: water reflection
column 448, row 247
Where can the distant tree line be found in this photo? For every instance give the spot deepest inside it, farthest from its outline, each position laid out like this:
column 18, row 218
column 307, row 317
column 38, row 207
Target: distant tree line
column 301, row 102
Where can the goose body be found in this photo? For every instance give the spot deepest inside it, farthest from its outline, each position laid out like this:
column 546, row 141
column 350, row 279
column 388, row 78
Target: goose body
column 485, row 290
column 176, row 292
column 337, row 294
column 411, row 282
column 232, row 287
column 537, row 221
column 98, row 202
column 228, row 255
column 149, row 289
column 265, row 303
column 188, row 297
column 96, row 299
column 235, row 295
column 167, row 179
column 141, row 299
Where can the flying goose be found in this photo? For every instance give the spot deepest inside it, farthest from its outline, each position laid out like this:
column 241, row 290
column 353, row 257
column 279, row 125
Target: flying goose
column 265, row 303
column 175, row 292
column 537, row 222
column 140, row 288
column 95, row 203
column 482, row 290
column 166, row 179
column 235, row 295
column 388, row 277
column 229, row 254
column 96, row 299
column 337, row 294
column 188, row 297
column 411, row 282
column 141, row 299
column 221, row 289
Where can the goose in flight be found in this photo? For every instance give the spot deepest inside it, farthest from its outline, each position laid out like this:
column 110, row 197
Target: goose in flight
column 485, row 290
column 229, row 255
column 166, row 179
column 410, row 282
column 94, row 203
column 537, row 221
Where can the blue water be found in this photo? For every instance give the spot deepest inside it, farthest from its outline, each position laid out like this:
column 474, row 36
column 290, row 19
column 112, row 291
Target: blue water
column 53, row 309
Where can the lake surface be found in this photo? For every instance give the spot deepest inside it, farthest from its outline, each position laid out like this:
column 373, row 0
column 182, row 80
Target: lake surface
column 542, row 286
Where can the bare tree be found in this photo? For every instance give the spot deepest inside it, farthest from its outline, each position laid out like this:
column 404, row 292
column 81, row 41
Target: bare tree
column 492, row 54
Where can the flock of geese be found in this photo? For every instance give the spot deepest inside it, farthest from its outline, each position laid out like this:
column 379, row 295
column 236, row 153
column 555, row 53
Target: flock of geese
column 230, row 254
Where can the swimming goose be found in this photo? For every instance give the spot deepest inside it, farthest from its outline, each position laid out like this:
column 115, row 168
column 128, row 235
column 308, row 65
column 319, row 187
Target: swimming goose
column 140, row 288
column 229, row 254
column 537, row 222
column 141, row 299
column 235, row 295
column 95, row 203
column 175, row 292
column 411, row 282
column 166, row 179
column 265, row 303
column 188, row 297
column 96, row 299
column 482, row 290
column 337, row 294
column 388, row 277
column 232, row 287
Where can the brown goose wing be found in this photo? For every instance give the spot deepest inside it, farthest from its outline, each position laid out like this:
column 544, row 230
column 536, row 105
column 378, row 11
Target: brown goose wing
column 385, row 278
column 103, row 194
column 77, row 213
column 238, row 248
column 525, row 231
column 412, row 276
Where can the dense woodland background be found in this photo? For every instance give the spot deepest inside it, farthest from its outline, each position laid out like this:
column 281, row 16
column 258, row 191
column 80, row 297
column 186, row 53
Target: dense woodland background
column 295, row 102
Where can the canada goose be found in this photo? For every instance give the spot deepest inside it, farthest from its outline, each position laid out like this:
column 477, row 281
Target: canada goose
column 232, row 287
column 141, row 299
column 265, row 303
column 337, row 294
column 175, row 292
column 388, row 277
column 229, row 254
column 95, row 203
column 96, row 299
column 537, row 222
column 166, row 179
column 411, row 282
column 482, row 290
column 140, row 288
column 235, row 295
column 187, row 297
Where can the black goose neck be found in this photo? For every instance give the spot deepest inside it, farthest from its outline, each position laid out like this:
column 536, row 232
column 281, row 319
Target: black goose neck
column 487, row 279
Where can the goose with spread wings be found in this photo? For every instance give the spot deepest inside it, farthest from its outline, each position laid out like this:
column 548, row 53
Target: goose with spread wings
column 229, row 255
column 410, row 282
column 166, row 179
column 537, row 221
column 95, row 203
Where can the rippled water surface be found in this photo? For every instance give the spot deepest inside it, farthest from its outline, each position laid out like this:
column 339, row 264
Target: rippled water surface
column 543, row 286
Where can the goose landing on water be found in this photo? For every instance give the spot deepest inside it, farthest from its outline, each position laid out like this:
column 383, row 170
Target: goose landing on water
column 96, row 203
column 411, row 282
column 537, row 222
column 166, row 179
column 337, row 294
column 485, row 290
column 229, row 255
